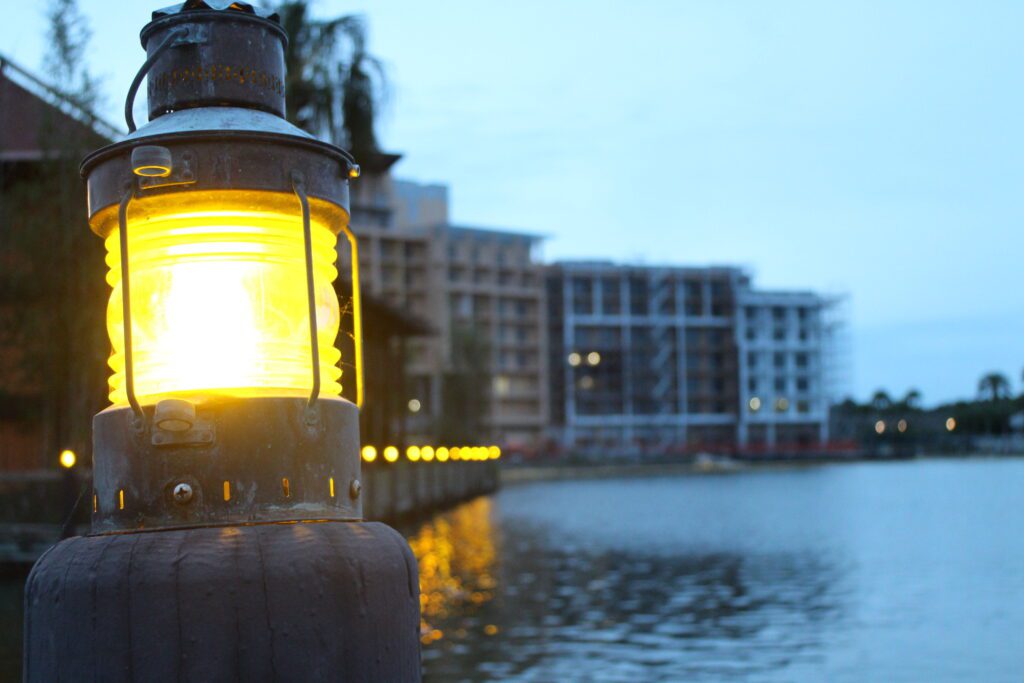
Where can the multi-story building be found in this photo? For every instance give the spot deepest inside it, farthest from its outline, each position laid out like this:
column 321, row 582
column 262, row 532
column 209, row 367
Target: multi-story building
column 494, row 289
column 458, row 279
column 782, row 340
column 656, row 359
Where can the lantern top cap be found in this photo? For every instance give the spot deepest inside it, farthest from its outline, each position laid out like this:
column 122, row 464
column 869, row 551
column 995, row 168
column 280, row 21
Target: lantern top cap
column 217, row 5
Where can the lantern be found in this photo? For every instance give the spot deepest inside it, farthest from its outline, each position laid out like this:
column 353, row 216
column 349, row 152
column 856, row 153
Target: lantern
column 221, row 222
column 226, row 469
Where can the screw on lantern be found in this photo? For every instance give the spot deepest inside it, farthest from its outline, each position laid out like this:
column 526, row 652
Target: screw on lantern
column 182, row 493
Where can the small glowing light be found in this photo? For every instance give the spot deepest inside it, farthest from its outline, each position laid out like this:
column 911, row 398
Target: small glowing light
column 369, row 453
column 586, row 383
column 481, row 453
column 880, row 427
column 491, row 630
column 502, row 385
column 781, row 405
column 427, row 453
column 593, row 358
column 456, row 453
column 391, row 454
column 901, row 426
column 68, row 458
column 442, row 454
column 950, row 424
column 755, row 404
column 575, row 359
column 413, row 453
column 415, row 405
column 494, row 452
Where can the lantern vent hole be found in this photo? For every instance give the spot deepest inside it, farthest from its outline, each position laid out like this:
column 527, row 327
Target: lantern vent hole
column 120, row 499
column 285, row 487
column 227, row 490
column 331, row 483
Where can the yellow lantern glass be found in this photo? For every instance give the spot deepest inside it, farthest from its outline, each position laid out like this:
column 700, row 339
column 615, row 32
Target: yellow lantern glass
column 219, row 304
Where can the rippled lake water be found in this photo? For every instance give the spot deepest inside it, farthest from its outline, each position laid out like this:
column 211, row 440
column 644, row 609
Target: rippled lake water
column 909, row 571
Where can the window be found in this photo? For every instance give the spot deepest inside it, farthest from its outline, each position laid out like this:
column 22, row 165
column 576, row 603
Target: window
column 611, row 299
column 582, row 295
column 639, row 297
column 779, row 334
column 801, row 360
column 752, row 359
column 752, row 384
column 803, row 406
column 780, row 360
column 802, row 384
column 780, row 384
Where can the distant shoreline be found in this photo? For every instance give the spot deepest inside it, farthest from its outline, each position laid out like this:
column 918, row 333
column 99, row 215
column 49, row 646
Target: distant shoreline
column 526, row 474
column 532, row 473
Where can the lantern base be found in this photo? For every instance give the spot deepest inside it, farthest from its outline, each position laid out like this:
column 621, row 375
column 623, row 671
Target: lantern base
column 327, row 601
column 263, row 460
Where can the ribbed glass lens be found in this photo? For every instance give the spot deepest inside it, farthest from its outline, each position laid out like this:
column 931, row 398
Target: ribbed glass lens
column 218, row 297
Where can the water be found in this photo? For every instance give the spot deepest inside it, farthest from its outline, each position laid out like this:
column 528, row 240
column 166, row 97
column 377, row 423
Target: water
column 868, row 572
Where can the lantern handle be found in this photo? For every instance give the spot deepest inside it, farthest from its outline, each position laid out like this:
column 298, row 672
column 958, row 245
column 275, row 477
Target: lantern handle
column 170, row 40
column 126, row 307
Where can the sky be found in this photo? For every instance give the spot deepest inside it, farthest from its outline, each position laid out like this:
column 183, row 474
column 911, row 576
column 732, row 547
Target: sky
column 870, row 150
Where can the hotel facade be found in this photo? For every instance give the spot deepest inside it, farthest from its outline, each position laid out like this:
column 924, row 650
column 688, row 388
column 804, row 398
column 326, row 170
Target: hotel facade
column 680, row 360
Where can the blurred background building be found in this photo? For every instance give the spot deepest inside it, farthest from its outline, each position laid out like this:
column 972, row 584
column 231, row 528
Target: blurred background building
column 480, row 291
column 679, row 360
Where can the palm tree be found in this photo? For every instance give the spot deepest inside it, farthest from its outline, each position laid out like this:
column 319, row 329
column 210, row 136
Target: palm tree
column 880, row 400
column 994, row 386
column 334, row 85
column 913, row 399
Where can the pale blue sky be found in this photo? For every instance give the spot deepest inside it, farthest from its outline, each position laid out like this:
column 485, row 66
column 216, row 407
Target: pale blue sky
column 866, row 148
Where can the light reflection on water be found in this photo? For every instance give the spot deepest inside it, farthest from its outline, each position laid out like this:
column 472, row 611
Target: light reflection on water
column 864, row 572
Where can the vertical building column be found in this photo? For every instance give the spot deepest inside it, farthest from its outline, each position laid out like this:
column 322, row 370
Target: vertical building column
column 627, row 359
column 681, row 390
column 568, row 345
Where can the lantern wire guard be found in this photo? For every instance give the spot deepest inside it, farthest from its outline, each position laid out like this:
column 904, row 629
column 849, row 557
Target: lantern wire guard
column 126, row 306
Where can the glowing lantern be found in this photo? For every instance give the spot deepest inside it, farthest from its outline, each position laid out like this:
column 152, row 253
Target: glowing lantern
column 221, row 222
column 230, row 441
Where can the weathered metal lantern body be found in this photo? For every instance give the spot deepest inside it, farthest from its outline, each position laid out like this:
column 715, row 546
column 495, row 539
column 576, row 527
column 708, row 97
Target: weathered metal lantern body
column 228, row 453
column 222, row 217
